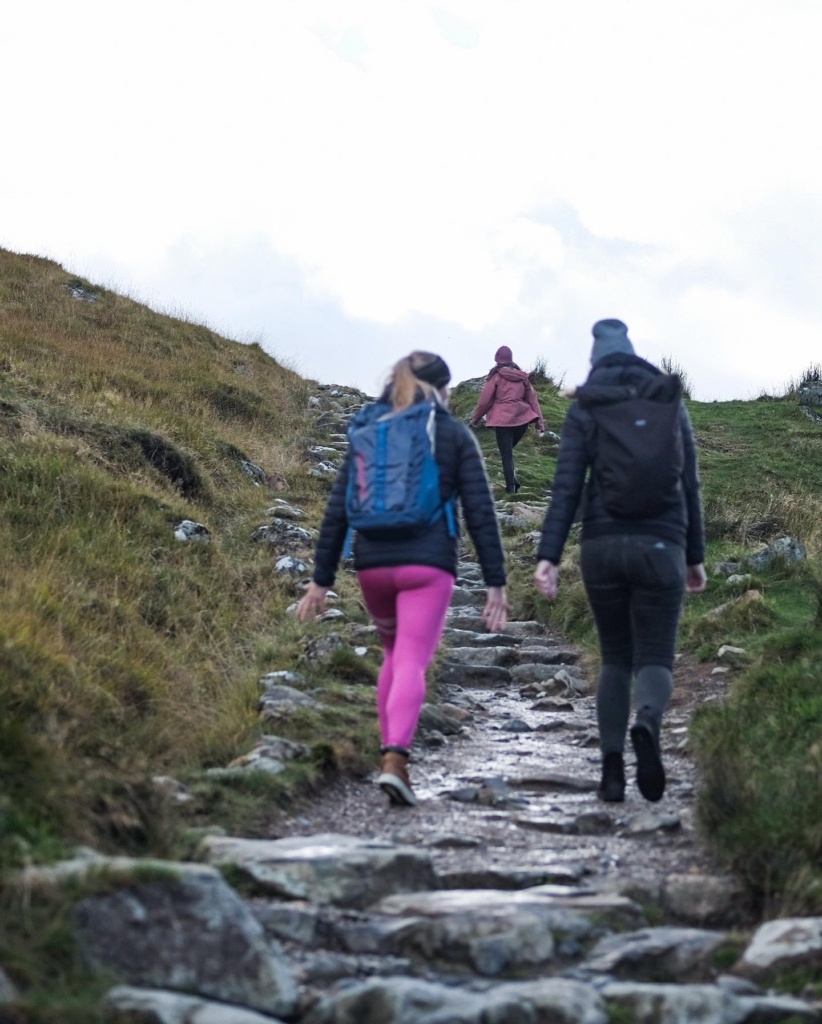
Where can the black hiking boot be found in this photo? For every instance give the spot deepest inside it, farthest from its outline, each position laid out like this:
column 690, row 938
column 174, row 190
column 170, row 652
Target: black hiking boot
column 650, row 774
column 612, row 787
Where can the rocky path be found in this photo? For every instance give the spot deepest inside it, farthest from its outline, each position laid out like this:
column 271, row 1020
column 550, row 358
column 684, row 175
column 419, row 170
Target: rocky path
column 510, row 895
column 506, row 767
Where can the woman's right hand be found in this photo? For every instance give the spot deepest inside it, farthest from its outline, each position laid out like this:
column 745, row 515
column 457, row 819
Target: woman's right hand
column 312, row 603
column 495, row 612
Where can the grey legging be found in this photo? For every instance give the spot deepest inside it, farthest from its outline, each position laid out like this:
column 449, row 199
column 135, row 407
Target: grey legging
column 635, row 585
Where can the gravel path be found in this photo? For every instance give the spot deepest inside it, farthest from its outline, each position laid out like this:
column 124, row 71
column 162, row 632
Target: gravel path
column 512, row 808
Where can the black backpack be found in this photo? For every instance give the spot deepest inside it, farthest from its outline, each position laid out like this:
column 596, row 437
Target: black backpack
column 639, row 453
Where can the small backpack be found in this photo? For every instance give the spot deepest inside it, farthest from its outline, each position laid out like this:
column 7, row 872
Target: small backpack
column 394, row 480
column 639, row 453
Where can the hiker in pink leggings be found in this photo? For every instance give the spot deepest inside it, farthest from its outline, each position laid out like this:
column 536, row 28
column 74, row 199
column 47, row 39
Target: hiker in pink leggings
column 407, row 572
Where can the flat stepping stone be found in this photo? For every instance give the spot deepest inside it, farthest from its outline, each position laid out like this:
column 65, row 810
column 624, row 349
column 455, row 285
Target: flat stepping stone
column 331, row 868
column 474, row 675
column 554, row 782
column 456, row 638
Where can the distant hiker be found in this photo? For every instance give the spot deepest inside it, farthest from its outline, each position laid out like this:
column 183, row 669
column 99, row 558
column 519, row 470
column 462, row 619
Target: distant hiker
column 509, row 404
column 406, row 562
column 642, row 541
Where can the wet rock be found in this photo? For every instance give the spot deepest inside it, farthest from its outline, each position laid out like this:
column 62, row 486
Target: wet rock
column 552, row 704
column 457, row 713
column 511, row 878
column 593, row 823
column 208, row 942
column 516, row 725
column 451, row 841
column 437, row 718
column 457, row 638
column 125, row 1004
column 547, row 655
column 702, row 900
column 332, row 868
column 649, row 822
column 554, row 782
column 295, row 921
column 793, row 943
column 525, row 628
column 559, row 1000
column 677, row 1004
column 464, row 598
column 408, row 1001
column 550, row 678
column 458, row 618
column 656, row 954
column 473, row 675
column 482, row 656
column 556, row 826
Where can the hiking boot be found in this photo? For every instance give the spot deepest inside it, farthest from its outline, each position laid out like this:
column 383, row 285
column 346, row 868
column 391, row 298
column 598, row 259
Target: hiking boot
column 612, row 787
column 393, row 779
column 650, row 775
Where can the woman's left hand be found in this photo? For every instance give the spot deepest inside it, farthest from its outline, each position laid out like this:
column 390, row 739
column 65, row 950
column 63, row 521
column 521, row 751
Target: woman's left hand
column 312, row 603
column 495, row 612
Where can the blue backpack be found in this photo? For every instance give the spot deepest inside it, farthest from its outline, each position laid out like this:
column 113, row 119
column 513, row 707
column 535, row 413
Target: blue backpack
column 394, row 480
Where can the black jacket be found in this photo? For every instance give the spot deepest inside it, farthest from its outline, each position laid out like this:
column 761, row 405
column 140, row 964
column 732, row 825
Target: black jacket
column 462, row 475
column 680, row 523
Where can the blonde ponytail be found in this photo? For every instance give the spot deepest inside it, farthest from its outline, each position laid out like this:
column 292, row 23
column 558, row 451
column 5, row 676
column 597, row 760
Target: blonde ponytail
column 403, row 383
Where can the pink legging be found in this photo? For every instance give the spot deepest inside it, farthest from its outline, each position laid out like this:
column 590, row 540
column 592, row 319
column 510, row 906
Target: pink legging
column 408, row 605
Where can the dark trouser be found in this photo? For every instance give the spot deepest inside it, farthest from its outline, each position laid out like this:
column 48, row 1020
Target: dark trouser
column 507, row 439
column 635, row 585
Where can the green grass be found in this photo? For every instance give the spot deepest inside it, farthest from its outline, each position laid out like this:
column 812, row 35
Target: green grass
column 125, row 654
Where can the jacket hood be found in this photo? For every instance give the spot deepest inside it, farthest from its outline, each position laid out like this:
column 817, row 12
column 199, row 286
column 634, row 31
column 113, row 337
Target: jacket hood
column 511, row 373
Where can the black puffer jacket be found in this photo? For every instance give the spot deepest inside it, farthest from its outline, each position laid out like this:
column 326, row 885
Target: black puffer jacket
column 680, row 523
column 462, row 475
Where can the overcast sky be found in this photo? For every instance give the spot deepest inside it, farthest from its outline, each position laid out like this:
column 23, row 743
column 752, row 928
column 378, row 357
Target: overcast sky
column 345, row 180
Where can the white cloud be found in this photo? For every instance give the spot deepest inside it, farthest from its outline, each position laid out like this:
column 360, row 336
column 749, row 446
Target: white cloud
column 479, row 169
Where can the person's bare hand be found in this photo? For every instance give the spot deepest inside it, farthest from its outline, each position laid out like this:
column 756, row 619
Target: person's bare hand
column 696, row 579
column 312, row 603
column 495, row 612
column 546, row 578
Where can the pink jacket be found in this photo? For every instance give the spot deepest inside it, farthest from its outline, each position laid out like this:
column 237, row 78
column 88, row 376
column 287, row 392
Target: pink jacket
column 508, row 400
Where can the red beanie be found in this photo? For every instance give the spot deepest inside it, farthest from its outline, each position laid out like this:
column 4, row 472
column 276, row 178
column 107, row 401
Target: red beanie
column 503, row 355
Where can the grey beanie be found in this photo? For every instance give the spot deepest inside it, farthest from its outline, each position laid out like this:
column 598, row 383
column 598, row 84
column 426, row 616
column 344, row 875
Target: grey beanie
column 610, row 336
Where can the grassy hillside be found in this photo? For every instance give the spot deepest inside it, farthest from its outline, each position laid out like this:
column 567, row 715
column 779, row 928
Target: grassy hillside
column 125, row 654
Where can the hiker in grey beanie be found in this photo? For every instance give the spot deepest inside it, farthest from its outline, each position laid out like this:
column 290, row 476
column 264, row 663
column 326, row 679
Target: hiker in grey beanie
column 610, row 336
